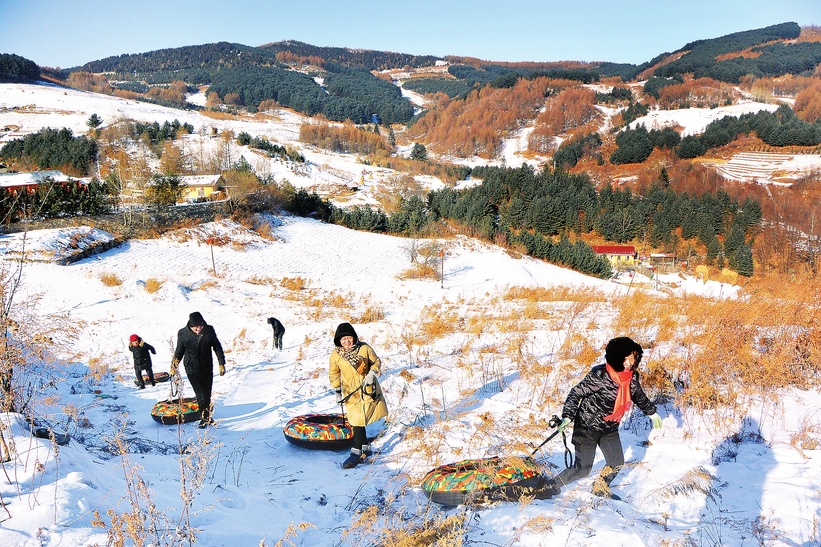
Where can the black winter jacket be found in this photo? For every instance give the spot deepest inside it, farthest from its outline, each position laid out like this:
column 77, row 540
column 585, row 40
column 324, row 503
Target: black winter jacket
column 277, row 325
column 142, row 357
column 595, row 396
column 197, row 351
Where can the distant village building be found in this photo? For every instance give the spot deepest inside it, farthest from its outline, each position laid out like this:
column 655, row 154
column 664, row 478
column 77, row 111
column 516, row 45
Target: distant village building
column 617, row 254
column 204, row 187
column 663, row 262
column 17, row 181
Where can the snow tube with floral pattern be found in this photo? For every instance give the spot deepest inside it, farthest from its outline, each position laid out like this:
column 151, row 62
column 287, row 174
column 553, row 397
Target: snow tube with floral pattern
column 482, row 480
column 319, row 432
column 176, row 411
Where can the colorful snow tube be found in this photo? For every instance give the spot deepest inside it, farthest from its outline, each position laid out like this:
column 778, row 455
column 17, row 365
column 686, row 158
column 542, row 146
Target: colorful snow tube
column 176, row 411
column 476, row 481
column 319, row 432
column 158, row 377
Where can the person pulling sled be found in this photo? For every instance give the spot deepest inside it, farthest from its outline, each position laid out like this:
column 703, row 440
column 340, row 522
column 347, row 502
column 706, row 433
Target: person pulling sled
column 195, row 342
column 596, row 406
column 141, row 351
column 353, row 369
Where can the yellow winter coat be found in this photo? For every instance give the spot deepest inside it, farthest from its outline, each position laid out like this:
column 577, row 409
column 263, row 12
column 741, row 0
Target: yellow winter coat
column 361, row 409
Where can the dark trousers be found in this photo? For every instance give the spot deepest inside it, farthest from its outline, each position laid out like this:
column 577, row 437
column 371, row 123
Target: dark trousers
column 278, row 340
column 139, row 372
column 359, row 437
column 585, row 442
column 202, row 389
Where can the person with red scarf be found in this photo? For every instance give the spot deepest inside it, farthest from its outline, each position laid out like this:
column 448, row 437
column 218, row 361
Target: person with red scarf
column 596, row 406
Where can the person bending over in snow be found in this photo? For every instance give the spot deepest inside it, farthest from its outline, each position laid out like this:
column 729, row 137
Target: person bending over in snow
column 194, row 343
column 353, row 370
column 142, row 359
column 279, row 331
column 596, row 405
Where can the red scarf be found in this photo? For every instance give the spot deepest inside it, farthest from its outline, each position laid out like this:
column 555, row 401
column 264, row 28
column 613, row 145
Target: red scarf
column 623, row 397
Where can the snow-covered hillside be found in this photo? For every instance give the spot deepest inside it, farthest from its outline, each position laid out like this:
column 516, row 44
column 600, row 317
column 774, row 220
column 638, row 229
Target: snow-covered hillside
column 446, row 389
column 26, row 109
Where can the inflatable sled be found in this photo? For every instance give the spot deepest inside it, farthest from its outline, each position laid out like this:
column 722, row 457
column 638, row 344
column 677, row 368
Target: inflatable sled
column 158, row 377
column 176, row 411
column 319, row 432
column 489, row 479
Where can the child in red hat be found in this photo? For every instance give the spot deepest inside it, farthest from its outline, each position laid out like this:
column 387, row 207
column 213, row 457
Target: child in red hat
column 142, row 359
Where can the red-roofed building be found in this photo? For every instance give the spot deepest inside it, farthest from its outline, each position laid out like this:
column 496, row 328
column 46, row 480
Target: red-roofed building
column 617, row 254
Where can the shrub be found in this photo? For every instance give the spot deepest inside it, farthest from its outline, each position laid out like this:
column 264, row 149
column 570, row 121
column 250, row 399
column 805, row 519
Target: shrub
column 293, row 283
column 110, row 279
column 152, row 285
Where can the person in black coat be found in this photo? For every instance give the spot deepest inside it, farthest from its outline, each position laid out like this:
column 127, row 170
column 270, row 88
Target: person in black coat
column 195, row 342
column 596, row 405
column 141, row 352
column 279, row 330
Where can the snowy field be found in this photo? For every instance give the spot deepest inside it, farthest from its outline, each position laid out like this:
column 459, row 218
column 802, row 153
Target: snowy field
column 694, row 121
column 441, row 390
column 761, row 491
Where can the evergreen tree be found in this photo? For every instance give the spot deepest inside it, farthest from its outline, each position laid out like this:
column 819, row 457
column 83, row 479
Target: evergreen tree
column 744, row 261
column 713, row 250
column 419, row 152
column 164, row 190
column 94, row 121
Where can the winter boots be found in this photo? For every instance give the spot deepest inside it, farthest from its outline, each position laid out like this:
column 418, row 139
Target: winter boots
column 205, row 422
column 544, row 489
column 602, row 489
column 357, row 456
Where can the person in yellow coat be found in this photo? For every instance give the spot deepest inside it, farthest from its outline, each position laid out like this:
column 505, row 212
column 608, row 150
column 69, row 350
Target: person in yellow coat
column 353, row 370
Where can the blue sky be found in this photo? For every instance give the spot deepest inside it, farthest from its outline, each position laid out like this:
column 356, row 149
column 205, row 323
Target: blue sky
column 68, row 33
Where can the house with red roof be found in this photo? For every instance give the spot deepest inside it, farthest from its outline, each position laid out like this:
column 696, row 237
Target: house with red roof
column 617, row 254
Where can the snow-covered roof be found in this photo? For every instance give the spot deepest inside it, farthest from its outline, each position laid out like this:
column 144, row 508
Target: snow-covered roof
column 203, row 180
column 34, row 177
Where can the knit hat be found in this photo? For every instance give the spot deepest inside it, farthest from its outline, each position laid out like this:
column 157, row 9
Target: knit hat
column 133, row 338
column 195, row 319
column 345, row 329
column 619, row 348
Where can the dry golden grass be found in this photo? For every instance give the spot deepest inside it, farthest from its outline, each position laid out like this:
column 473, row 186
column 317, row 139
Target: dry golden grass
column 375, row 526
column 559, row 293
column 638, row 315
column 97, row 368
column 371, row 315
column 210, row 284
column 266, row 231
column 532, row 310
column 293, row 283
column 152, row 285
column 420, row 271
column 256, row 280
column 217, row 114
column 577, row 347
column 110, row 279
column 436, row 322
